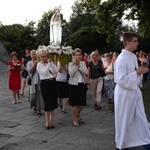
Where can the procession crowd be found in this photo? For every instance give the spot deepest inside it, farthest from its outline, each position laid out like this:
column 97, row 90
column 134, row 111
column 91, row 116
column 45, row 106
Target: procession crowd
column 51, row 86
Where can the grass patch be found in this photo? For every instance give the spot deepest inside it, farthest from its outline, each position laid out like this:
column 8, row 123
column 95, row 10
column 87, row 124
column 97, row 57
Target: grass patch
column 146, row 98
column 110, row 108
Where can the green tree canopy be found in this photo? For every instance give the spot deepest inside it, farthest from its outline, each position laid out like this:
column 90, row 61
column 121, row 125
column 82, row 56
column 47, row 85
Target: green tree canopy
column 17, row 37
column 111, row 13
column 43, row 28
column 88, row 39
column 82, row 28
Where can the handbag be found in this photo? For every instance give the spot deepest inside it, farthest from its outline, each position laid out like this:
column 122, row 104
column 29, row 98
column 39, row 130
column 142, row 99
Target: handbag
column 103, row 74
column 30, row 78
column 29, row 81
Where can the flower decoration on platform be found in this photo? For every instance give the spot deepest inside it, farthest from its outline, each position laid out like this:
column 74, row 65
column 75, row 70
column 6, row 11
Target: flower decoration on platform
column 57, row 54
column 56, row 50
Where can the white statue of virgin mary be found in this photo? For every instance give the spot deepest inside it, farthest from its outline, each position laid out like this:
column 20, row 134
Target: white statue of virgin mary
column 56, row 29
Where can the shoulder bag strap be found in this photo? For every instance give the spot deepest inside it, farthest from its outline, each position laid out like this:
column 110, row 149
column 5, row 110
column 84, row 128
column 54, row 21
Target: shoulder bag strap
column 83, row 76
column 51, row 72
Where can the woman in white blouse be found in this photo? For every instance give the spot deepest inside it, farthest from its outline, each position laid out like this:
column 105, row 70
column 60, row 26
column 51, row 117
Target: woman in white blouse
column 47, row 71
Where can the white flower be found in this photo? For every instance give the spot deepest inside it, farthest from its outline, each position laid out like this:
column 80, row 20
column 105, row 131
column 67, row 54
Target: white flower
column 55, row 50
column 59, row 52
column 50, row 51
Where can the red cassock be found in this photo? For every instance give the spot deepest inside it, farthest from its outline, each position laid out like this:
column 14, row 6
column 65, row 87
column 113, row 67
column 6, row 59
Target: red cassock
column 14, row 76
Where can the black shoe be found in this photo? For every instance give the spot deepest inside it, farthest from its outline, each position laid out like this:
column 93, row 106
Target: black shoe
column 64, row 111
column 98, row 107
column 39, row 113
column 47, row 128
column 52, row 127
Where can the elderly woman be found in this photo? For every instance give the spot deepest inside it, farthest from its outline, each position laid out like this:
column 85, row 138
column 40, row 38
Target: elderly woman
column 78, row 87
column 95, row 78
column 35, row 92
column 48, row 71
column 15, row 66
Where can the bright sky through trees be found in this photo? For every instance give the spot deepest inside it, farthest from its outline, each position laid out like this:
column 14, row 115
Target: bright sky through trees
column 23, row 11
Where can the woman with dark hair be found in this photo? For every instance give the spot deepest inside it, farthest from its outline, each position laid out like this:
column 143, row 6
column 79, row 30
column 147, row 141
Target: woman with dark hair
column 15, row 67
column 78, row 87
column 24, row 74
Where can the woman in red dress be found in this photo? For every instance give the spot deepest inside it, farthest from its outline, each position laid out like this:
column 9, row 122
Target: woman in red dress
column 15, row 66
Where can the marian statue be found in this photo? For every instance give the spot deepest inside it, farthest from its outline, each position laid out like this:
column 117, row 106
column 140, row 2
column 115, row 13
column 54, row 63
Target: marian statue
column 56, row 29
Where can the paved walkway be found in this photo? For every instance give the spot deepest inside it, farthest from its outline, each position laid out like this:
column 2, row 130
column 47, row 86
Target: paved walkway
column 22, row 129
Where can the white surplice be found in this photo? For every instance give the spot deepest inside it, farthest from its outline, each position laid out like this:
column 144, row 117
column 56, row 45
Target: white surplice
column 131, row 123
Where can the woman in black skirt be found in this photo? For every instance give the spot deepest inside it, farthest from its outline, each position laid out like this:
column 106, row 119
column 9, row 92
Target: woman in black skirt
column 77, row 83
column 62, row 87
column 47, row 71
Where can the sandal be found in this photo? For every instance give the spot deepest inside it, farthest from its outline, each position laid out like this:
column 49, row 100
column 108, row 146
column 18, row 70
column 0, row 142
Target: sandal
column 76, row 124
column 81, row 120
column 14, row 102
column 47, row 127
column 19, row 101
column 22, row 94
column 39, row 113
column 52, row 127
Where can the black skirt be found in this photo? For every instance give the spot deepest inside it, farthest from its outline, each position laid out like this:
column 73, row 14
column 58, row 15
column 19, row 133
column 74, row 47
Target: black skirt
column 77, row 94
column 24, row 73
column 49, row 93
column 63, row 89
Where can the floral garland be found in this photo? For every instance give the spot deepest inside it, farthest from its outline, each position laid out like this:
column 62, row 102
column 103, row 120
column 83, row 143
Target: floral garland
column 60, row 55
column 56, row 50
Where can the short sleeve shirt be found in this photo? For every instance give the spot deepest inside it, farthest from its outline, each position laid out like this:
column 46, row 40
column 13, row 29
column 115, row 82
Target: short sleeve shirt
column 96, row 70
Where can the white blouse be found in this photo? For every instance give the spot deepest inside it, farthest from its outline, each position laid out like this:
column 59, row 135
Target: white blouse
column 47, row 70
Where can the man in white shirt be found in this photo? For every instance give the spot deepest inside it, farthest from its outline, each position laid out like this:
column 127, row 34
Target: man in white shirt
column 130, row 120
